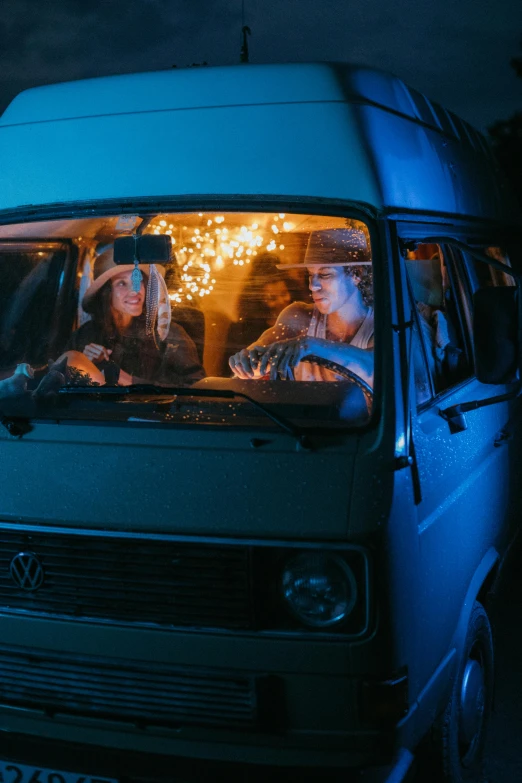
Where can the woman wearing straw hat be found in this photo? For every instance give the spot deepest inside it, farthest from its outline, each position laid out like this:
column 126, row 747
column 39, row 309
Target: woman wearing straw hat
column 337, row 328
column 130, row 336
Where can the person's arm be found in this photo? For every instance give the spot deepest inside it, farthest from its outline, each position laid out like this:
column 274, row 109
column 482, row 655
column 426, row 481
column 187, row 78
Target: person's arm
column 86, row 340
column 279, row 357
column 359, row 360
column 291, row 323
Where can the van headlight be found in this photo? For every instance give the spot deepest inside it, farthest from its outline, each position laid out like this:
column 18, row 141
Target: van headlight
column 319, row 588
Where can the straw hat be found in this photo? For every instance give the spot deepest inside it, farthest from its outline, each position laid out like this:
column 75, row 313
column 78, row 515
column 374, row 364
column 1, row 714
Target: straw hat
column 104, row 269
column 334, row 247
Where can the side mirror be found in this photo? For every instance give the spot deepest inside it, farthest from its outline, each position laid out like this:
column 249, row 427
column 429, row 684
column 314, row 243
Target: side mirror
column 496, row 334
column 147, row 248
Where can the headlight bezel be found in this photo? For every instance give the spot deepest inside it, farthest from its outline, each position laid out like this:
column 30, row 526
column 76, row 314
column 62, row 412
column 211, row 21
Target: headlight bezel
column 319, row 563
column 273, row 613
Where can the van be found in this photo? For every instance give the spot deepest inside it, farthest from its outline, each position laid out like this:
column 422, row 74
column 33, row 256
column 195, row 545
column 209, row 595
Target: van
column 208, row 574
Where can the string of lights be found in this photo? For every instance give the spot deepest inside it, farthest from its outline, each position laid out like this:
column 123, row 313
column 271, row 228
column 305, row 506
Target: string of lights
column 204, row 252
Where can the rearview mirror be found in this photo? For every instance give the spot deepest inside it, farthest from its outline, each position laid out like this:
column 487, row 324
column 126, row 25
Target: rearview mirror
column 495, row 334
column 147, row 248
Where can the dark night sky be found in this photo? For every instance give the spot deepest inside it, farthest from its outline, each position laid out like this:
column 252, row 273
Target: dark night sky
column 456, row 51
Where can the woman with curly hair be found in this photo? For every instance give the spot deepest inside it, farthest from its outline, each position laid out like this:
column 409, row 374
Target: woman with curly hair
column 337, row 327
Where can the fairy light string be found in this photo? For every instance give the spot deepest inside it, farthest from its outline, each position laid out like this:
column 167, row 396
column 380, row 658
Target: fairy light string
column 204, row 252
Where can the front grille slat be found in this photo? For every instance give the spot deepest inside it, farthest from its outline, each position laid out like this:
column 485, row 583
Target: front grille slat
column 90, row 685
column 99, row 688
column 131, row 580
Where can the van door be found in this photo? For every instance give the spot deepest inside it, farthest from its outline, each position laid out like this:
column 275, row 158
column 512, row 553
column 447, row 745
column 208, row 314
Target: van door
column 463, row 499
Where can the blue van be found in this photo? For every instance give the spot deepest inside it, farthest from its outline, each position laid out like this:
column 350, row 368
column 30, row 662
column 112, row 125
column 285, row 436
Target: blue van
column 259, row 377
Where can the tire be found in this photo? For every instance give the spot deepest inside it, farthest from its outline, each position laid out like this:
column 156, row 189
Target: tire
column 461, row 732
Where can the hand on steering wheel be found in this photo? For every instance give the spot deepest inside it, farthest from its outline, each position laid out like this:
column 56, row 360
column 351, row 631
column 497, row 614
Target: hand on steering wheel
column 281, row 357
column 278, row 359
column 245, row 363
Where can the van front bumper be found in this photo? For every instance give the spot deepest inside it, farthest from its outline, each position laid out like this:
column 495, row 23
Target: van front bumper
column 132, row 766
column 319, row 726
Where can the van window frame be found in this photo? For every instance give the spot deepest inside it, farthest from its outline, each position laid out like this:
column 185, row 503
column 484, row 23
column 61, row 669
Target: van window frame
column 147, row 207
column 463, row 237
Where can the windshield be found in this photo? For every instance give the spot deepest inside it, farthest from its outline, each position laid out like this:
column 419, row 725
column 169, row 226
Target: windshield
column 277, row 307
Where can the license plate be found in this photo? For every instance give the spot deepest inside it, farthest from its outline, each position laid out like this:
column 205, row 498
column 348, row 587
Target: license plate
column 10, row 772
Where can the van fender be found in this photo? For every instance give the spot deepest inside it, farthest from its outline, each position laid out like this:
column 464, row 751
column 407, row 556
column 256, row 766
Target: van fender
column 435, row 694
column 490, row 560
column 485, row 567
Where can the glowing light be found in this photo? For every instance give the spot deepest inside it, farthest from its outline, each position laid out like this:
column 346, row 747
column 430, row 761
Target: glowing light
column 215, row 245
column 287, row 225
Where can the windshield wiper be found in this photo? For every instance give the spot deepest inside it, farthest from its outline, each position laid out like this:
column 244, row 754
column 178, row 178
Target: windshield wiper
column 186, row 391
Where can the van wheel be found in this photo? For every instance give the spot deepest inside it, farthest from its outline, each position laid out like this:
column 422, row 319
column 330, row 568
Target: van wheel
column 462, row 729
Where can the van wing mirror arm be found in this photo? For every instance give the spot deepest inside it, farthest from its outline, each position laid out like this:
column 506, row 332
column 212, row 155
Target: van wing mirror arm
column 454, row 415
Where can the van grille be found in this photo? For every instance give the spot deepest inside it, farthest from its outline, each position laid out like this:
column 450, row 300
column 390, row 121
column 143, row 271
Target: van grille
column 117, row 690
column 134, row 580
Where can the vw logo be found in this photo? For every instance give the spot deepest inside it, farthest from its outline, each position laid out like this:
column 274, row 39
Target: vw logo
column 26, row 571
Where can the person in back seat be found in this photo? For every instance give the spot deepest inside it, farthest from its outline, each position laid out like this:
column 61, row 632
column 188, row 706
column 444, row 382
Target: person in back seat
column 432, row 293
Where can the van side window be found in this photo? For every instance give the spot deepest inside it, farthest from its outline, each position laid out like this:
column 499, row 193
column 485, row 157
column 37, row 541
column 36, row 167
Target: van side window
column 32, row 276
column 436, row 291
column 484, row 275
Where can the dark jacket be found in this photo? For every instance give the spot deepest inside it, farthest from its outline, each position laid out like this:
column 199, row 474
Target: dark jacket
column 174, row 361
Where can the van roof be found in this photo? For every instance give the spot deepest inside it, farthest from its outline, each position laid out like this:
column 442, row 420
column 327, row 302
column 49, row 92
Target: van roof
column 191, row 88
column 359, row 134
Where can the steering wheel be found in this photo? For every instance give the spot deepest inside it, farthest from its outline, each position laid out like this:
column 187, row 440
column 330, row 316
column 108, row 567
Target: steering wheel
column 345, row 373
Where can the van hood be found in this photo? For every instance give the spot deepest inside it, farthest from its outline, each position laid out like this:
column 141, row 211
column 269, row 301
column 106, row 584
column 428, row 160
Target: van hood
column 181, row 481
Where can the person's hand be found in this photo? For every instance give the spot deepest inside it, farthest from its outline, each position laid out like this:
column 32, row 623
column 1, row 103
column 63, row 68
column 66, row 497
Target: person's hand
column 245, row 363
column 284, row 355
column 97, row 353
column 124, row 379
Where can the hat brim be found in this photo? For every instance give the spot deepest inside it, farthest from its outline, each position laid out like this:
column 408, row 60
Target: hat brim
column 324, row 263
column 106, row 276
